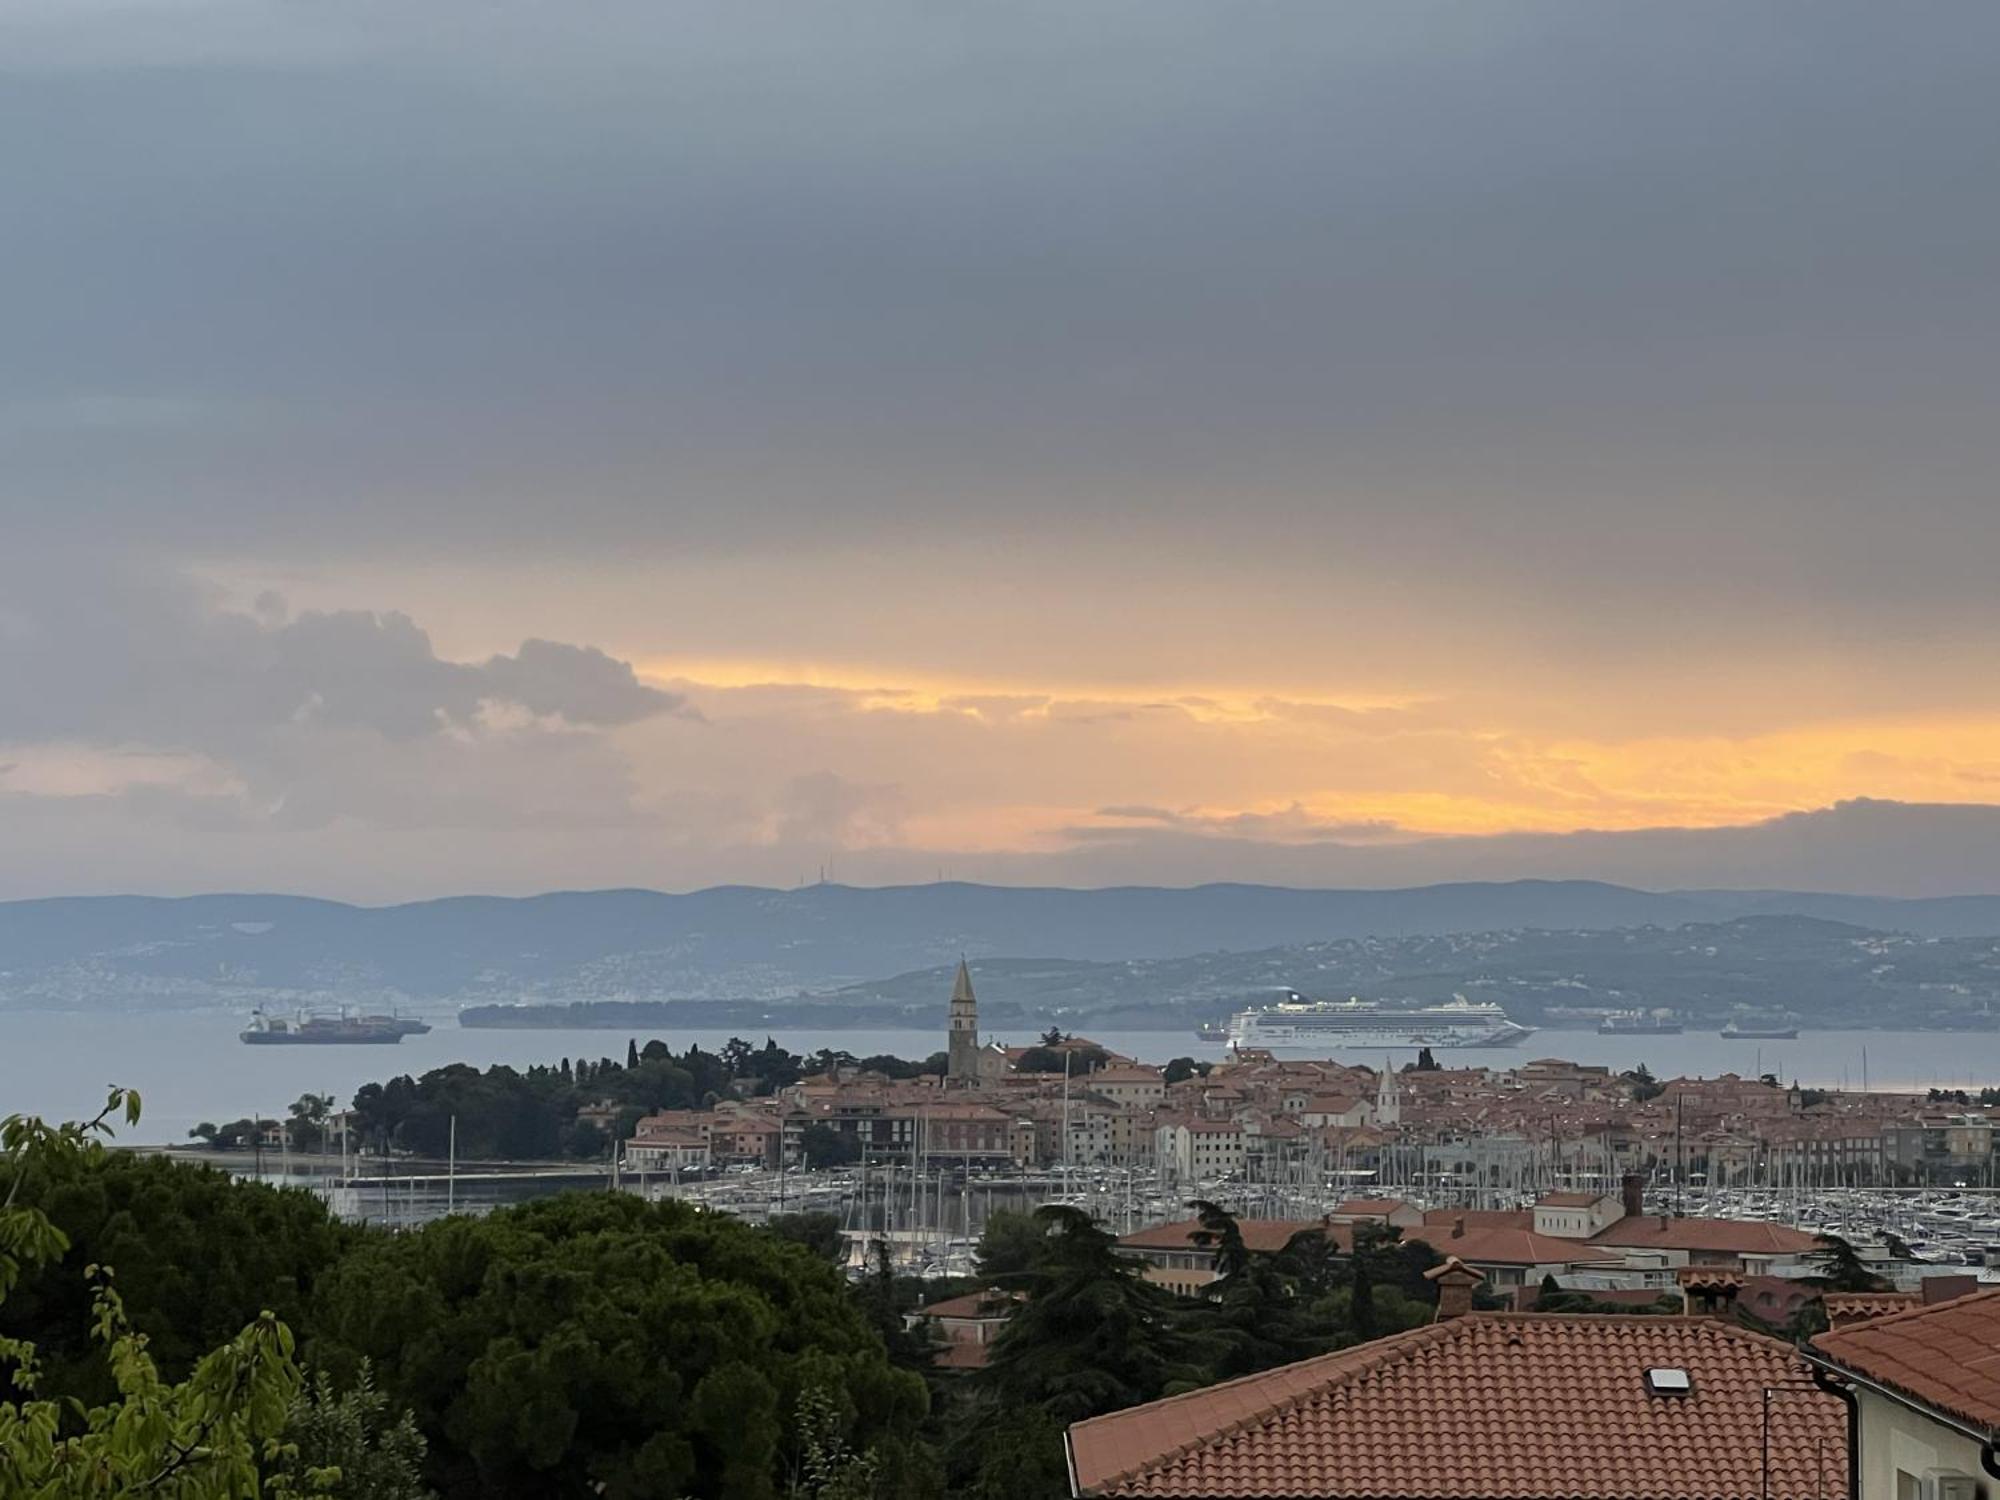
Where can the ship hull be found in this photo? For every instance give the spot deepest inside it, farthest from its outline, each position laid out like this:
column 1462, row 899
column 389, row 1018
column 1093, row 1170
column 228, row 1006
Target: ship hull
column 1301, row 1040
column 293, row 1039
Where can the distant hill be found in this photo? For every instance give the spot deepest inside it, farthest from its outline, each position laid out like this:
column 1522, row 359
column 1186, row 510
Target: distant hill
column 737, row 942
column 1826, row 973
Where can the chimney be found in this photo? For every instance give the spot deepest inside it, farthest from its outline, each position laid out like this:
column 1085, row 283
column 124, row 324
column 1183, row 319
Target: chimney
column 1458, row 1227
column 1632, row 1189
column 1455, row 1281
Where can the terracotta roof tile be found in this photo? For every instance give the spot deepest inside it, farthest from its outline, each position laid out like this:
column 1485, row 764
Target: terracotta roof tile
column 1507, row 1246
column 1846, row 1308
column 1523, row 1406
column 1947, row 1355
column 990, row 1303
column 1726, row 1236
column 1482, row 1218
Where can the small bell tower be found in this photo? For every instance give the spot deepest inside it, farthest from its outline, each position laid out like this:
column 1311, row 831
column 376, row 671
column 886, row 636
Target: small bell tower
column 962, row 1047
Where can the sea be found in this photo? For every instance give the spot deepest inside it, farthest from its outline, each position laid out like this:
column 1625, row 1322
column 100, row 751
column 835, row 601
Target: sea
column 189, row 1066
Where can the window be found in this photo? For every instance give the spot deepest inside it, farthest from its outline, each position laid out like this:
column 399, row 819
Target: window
column 1908, row 1486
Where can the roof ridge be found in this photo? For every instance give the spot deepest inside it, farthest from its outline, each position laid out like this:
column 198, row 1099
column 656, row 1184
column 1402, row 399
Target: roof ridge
column 1889, row 1320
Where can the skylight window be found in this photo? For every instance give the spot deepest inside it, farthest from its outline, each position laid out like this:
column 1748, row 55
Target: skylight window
column 1663, row 1381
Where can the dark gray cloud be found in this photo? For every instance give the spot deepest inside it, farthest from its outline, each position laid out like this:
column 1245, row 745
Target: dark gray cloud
column 1681, row 301
column 207, row 716
column 578, row 683
column 130, row 655
column 1559, row 371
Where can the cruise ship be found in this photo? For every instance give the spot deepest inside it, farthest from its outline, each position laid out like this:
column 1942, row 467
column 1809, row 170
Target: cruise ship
column 1297, row 1025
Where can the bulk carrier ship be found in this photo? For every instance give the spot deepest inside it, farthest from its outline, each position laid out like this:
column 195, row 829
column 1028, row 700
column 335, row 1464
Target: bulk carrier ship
column 276, row 1031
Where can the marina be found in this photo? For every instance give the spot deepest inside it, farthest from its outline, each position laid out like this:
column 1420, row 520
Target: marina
column 930, row 1217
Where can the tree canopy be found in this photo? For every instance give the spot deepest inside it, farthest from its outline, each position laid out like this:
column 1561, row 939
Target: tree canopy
column 200, row 1438
column 595, row 1340
column 197, row 1254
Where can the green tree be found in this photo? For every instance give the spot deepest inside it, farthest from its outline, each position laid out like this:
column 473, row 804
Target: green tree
column 1252, row 1316
column 1075, row 1060
column 199, row 1254
column 1839, row 1268
column 1093, row 1336
column 341, row 1444
column 819, row 1233
column 1011, row 1246
column 594, row 1344
column 306, row 1128
column 827, row 1468
column 199, row 1439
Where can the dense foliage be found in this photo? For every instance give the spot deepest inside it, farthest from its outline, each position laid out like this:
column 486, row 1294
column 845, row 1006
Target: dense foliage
column 594, row 1344
column 201, row 1438
column 351, row 1434
column 198, row 1256
column 515, row 1114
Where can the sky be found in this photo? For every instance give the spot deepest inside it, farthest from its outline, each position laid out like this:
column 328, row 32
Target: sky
column 506, row 447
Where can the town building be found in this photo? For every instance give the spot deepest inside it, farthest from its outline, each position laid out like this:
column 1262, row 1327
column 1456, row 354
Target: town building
column 1926, row 1388
column 964, row 1328
column 1518, row 1405
column 660, row 1144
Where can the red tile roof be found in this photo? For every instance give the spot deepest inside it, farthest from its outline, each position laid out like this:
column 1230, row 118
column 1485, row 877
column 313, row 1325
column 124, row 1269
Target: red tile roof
column 962, row 1354
column 1726, row 1236
column 1946, row 1356
column 1521, row 1406
column 990, row 1303
column 1506, row 1246
column 1846, row 1308
column 1482, row 1218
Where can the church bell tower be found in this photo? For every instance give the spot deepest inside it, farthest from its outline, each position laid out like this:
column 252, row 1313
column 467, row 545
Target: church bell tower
column 962, row 1054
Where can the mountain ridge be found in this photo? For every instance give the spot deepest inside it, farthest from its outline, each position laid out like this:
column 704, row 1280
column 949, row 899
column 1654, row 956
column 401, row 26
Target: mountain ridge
column 739, row 942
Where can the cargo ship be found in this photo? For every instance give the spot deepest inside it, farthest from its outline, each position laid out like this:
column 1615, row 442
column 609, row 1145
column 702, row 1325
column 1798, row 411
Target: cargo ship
column 405, row 1025
column 308, row 1031
column 1638, row 1023
column 1297, row 1024
column 1760, row 1031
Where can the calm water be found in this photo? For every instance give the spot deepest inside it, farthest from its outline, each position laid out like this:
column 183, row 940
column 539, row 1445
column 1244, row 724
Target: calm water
column 191, row 1068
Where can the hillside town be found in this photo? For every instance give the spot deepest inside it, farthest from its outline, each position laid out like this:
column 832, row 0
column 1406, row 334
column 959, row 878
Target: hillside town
column 1543, row 1167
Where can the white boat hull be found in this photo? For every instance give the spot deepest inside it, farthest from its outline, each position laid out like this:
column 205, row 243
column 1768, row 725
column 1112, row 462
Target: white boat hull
column 1323, row 1027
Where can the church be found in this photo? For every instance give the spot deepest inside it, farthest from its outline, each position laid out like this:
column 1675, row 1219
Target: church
column 967, row 1064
